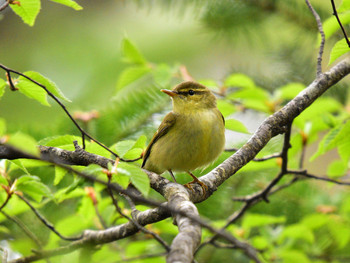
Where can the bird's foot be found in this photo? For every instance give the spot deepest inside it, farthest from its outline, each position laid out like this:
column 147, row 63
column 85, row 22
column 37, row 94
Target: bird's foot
column 203, row 185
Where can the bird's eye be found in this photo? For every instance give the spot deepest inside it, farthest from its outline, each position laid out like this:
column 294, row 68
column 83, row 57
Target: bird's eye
column 191, row 92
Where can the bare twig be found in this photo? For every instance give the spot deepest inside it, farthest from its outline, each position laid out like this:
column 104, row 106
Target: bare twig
column 306, row 174
column 138, row 258
column 45, row 222
column 323, row 39
column 335, row 13
column 141, row 228
column 25, row 229
column 7, row 2
column 4, row 254
column 262, row 159
column 83, row 132
column 6, row 201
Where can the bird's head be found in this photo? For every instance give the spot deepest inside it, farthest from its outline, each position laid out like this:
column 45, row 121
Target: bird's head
column 189, row 96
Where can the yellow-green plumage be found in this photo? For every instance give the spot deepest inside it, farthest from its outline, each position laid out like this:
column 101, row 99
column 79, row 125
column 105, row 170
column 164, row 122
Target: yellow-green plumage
column 191, row 136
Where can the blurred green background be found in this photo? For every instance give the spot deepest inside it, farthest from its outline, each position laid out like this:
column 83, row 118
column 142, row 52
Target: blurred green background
column 274, row 42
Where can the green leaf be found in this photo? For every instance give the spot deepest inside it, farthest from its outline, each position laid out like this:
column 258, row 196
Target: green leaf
column 122, row 180
column 60, row 141
column 226, row 108
column 163, row 74
column 31, row 186
column 31, row 90
column 336, row 168
column 235, row 125
column 336, row 137
column 131, row 53
column 331, row 25
column 138, row 177
column 292, row 256
column 141, row 142
column 59, row 174
column 297, row 232
column 24, row 142
column 345, row 6
column 2, row 126
column 133, row 153
column 289, row 91
column 49, row 84
column 314, row 221
column 239, row 80
column 257, row 220
column 25, row 178
column 69, row 3
column 339, row 49
column 123, row 147
column 27, row 10
column 254, row 93
column 131, row 74
column 2, row 87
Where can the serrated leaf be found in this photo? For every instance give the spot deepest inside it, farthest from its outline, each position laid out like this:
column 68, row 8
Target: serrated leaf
column 129, row 75
column 27, row 10
column 2, row 126
column 138, row 177
column 35, row 189
column 49, row 84
column 339, row 49
column 235, row 125
column 336, row 137
column 24, row 142
column 131, row 53
column 123, row 147
column 31, row 90
column 69, row 3
column 25, row 178
column 239, row 80
column 59, row 174
column 2, row 87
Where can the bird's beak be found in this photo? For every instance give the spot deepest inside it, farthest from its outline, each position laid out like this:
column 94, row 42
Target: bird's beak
column 169, row 92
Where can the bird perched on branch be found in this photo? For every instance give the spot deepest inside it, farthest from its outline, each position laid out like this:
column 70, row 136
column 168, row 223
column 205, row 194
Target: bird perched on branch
column 191, row 136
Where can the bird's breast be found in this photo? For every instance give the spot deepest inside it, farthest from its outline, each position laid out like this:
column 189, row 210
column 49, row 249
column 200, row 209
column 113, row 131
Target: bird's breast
column 195, row 141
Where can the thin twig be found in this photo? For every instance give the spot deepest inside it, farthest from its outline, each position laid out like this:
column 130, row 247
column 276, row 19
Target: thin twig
column 141, row 228
column 6, row 4
column 141, row 257
column 306, row 174
column 323, row 38
column 25, row 229
column 6, row 201
column 335, row 13
column 82, row 131
column 262, row 159
column 45, row 222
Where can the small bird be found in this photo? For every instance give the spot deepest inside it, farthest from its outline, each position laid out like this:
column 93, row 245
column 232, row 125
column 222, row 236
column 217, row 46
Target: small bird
column 191, row 136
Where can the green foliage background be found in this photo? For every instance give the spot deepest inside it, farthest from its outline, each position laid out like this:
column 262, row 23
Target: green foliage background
column 114, row 56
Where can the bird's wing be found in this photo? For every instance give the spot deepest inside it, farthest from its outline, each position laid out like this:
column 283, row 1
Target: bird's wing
column 163, row 129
